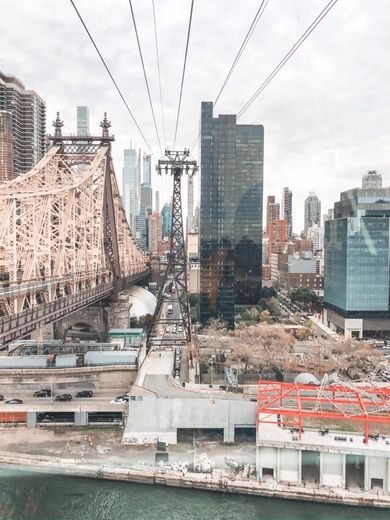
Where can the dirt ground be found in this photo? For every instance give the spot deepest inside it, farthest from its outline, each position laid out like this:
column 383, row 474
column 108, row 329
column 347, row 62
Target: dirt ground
column 104, row 444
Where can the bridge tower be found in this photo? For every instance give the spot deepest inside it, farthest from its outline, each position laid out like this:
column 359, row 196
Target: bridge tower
column 175, row 163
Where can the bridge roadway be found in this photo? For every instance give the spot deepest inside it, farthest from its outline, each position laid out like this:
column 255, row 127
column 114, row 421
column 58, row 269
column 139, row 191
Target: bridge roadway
column 22, row 323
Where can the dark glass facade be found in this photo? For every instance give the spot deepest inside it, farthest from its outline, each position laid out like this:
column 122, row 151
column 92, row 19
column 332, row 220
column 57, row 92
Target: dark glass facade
column 231, row 214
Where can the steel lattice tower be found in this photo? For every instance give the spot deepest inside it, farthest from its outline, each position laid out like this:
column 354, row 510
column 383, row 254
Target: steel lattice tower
column 176, row 163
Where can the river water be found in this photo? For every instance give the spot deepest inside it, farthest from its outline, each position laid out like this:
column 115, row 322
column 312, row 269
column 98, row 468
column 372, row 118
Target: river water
column 44, row 497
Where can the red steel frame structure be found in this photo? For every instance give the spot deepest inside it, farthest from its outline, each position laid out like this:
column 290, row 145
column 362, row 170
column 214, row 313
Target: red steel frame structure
column 365, row 404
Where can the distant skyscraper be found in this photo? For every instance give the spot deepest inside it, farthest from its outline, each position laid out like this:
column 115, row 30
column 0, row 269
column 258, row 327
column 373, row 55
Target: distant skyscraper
column 287, row 209
column 6, row 155
column 197, row 218
column 328, row 216
column 190, row 204
column 130, row 187
column 154, row 232
column 28, row 123
column 145, row 211
column 146, row 196
column 315, row 233
column 82, row 121
column 157, row 204
column 278, row 237
column 231, row 217
column 312, row 210
column 166, row 214
column 147, row 168
column 357, row 252
column 372, row 179
column 273, row 211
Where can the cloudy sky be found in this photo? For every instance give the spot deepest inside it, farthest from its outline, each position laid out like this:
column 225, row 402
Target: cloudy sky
column 326, row 115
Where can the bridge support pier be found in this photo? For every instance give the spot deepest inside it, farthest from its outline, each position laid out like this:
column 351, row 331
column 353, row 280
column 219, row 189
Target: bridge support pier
column 81, row 418
column 31, row 419
column 93, row 317
column 118, row 313
column 44, row 332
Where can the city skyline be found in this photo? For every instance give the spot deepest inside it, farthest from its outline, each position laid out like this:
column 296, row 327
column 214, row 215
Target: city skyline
column 309, row 145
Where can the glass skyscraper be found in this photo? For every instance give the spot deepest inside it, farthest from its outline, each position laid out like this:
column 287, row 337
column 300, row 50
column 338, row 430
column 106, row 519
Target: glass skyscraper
column 231, row 214
column 356, row 283
column 147, row 169
column 166, row 214
column 312, row 210
column 82, row 121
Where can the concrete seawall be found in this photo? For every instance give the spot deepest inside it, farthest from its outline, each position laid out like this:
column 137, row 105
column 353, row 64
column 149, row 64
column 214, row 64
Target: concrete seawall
column 92, row 469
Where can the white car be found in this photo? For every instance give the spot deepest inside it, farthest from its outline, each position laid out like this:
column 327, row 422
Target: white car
column 121, row 399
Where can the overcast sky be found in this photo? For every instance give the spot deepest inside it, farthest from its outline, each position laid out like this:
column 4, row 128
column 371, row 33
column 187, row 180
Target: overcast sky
column 326, row 115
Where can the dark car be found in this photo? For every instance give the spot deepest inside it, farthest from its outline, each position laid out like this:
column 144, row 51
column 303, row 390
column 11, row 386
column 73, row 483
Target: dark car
column 63, row 397
column 85, row 393
column 42, row 393
column 122, row 399
column 1, row 398
column 14, row 401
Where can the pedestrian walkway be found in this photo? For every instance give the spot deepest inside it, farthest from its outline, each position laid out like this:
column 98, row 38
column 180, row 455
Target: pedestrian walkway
column 331, row 333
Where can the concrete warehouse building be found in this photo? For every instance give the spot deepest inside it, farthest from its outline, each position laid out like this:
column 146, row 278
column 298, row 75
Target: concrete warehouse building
column 319, row 456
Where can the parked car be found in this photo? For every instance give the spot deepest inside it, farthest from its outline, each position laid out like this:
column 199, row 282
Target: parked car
column 14, row 401
column 42, row 393
column 63, row 397
column 122, row 399
column 85, row 393
column 1, row 398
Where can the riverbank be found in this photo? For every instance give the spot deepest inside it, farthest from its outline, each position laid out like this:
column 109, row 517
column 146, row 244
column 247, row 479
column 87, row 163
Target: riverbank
column 215, row 481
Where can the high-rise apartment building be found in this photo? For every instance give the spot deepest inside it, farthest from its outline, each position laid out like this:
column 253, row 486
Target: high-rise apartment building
column 28, row 123
column 154, row 232
column 357, row 252
column 147, row 170
column 6, row 155
column 312, row 210
column 166, row 215
column 82, row 120
column 231, row 214
column 372, row 179
column 273, row 211
column 278, row 237
column 287, row 209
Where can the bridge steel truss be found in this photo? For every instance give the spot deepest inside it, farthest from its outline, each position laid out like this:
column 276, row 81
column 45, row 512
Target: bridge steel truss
column 64, row 238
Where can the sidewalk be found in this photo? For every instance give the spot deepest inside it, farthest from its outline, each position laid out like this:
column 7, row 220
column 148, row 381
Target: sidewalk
column 323, row 327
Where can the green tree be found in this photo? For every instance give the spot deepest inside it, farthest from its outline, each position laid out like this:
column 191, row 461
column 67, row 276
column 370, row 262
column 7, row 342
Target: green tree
column 272, row 305
column 305, row 296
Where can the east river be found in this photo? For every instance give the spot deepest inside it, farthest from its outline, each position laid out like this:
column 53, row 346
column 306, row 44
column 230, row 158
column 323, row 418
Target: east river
column 25, row 496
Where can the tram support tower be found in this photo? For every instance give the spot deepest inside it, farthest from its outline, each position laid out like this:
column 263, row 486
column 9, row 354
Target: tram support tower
column 178, row 163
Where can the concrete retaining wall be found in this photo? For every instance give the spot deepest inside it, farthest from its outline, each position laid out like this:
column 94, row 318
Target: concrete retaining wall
column 219, row 483
column 70, row 378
